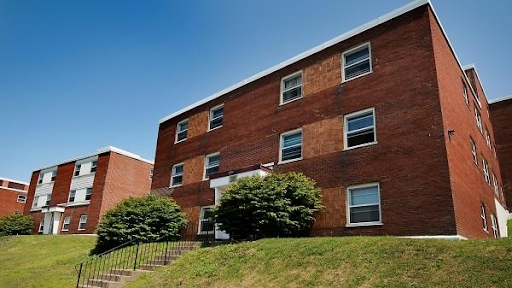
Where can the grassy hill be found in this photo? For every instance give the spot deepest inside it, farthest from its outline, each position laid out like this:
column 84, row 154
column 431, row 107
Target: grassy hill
column 341, row 262
column 48, row 261
column 42, row 261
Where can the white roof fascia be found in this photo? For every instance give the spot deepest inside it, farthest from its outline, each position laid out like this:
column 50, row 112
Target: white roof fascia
column 472, row 66
column 382, row 19
column 99, row 151
column 14, row 181
column 509, row 97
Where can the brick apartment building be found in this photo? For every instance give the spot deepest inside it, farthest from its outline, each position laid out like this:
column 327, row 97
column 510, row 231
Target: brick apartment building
column 13, row 196
column 393, row 129
column 501, row 116
column 70, row 197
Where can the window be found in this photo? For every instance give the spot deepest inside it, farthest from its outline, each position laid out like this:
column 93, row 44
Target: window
column 151, row 173
column 21, row 199
column 83, row 222
column 291, row 87
column 77, row 169
column 494, row 223
column 465, row 93
column 291, row 146
column 94, row 165
column 41, row 226
column 181, row 130
column 36, row 199
column 48, row 199
column 485, row 168
column 473, row 151
column 54, row 175
column 357, row 62
column 364, row 204
column 41, row 176
column 483, row 217
column 177, row 175
column 72, row 195
column 207, row 223
column 65, row 223
column 478, row 119
column 212, row 163
column 360, row 128
column 88, row 193
column 216, row 117
column 488, row 138
column 495, row 184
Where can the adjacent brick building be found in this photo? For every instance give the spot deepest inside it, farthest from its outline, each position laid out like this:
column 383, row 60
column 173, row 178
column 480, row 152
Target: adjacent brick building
column 71, row 197
column 501, row 116
column 13, row 196
column 384, row 117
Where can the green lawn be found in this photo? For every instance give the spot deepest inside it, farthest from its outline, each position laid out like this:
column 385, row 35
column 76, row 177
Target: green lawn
column 341, row 262
column 42, row 261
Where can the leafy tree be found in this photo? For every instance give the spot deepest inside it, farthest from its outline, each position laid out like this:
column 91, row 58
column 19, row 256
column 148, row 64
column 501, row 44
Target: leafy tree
column 16, row 224
column 278, row 205
column 141, row 219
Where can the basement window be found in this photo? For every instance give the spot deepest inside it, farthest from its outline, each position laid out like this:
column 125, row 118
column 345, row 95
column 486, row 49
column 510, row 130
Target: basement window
column 483, row 217
column 66, row 223
column 83, row 222
column 364, row 205
column 207, row 223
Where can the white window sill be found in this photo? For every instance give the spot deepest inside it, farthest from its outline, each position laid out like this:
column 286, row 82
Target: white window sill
column 71, row 204
column 35, row 209
column 364, row 224
column 290, row 101
column 182, row 140
column 362, row 145
column 174, row 186
column 218, row 127
column 289, row 161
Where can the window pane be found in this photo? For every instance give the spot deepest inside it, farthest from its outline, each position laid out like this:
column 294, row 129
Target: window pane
column 360, row 138
column 364, row 214
column 359, row 122
column 356, row 56
column 361, row 196
column 213, row 160
column 217, row 112
column 291, row 153
column 292, row 94
column 292, row 146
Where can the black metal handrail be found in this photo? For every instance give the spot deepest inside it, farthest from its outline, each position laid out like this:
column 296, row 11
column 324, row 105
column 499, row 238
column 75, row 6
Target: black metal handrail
column 134, row 255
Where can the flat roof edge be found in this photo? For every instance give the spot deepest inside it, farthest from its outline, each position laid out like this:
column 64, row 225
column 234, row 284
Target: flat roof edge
column 14, row 181
column 358, row 30
column 509, row 97
column 98, row 152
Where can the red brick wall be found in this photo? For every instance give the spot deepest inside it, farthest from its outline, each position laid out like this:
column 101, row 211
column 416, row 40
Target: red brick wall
column 8, row 201
column 501, row 116
column 467, row 183
column 409, row 161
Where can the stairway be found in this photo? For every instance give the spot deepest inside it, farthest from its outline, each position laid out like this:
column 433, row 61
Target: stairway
column 116, row 278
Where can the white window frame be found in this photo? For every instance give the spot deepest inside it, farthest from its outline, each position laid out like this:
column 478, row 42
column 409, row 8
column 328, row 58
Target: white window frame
column 495, row 184
column 178, row 131
column 88, row 193
column 21, row 199
column 465, row 93
column 485, row 169
column 41, row 178
column 483, row 217
column 478, row 119
column 72, row 194
column 494, row 226
column 48, row 200
column 349, row 206
column 354, row 50
column 473, row 151
column 82, row 222
column 281, row 145
column 174, row 174
column 54, row 175
column 78, row 167
column 34, row 203
column 355, row 115
column 66, row 223
column 201, row 219
column 94, row 166
column 211, row 119
column 488, row 138
column 299, row 86
column 206, row 162
column 41, row 226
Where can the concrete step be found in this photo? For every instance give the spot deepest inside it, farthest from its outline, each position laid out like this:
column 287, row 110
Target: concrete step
column 105, row 283
column 150, row 267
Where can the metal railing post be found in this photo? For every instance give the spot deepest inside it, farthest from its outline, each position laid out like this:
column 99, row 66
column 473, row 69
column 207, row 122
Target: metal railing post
column 136, row 256
column 79, row 274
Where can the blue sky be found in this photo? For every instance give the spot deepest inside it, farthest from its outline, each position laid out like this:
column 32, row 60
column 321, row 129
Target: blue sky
column 76, row 76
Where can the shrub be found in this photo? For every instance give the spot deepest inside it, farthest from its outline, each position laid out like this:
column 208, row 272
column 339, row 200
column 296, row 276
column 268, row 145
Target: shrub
column 278, row 205
column 17, row 224
column 142, row 219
